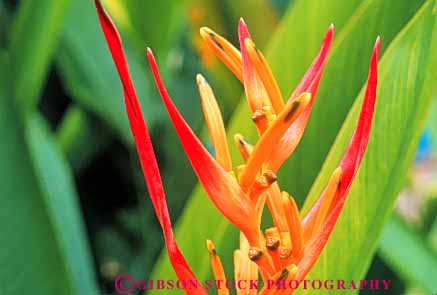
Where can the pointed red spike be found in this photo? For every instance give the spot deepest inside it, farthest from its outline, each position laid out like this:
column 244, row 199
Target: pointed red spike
column 355, row 151
column 145, row 151
column 349, row 163
column 222, row 189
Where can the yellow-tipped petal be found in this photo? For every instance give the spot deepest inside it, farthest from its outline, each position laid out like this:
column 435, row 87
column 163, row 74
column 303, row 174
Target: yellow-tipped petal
column 224, row 50
column 243, row 146
column 294, row 223
column 265, row 73
column 215, row 124
column 330, row 193
column 217, row 267
column 265, row 145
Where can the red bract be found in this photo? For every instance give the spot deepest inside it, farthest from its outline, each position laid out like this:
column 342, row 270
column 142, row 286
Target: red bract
column 289, row 249
column 145, row 150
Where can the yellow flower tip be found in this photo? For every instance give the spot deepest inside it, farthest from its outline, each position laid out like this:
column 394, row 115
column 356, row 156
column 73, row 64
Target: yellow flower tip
column 248, row 42
column 211, row 248
column 296, row 107
column 224, row 50
column 240, row 141
column 336, row 175
column 244, row 147
column 200, row 79
column 304, row 98
column 205, row 31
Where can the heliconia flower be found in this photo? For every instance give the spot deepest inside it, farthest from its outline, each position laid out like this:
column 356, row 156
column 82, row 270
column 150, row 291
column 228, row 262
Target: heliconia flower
column 289, row 249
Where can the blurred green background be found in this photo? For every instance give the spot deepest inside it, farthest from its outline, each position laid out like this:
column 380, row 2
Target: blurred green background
column 74, row 208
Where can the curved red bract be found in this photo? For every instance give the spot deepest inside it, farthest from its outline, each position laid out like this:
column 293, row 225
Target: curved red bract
column 145, row 151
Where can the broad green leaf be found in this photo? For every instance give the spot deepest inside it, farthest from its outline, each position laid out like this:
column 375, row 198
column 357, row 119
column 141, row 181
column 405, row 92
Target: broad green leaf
column 61, row 204
column 89, row 74
column 34, row 36
column 289, row 62
column 31, row 259
column 406, row 88
column 406, row 253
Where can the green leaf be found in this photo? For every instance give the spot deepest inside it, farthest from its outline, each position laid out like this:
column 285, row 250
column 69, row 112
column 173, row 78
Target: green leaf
column 290, row 52
column 30, row 248
column 61, row 201
column 89, row 74
column 406, row 253
column 406, row 87
column 34, row 36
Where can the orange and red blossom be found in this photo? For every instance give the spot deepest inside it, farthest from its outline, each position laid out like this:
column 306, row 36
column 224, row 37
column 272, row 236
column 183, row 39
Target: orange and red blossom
column 288, row 249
